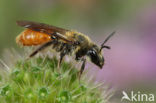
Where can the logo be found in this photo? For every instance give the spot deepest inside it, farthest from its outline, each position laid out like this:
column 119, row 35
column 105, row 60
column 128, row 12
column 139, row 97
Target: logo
column 137, row 96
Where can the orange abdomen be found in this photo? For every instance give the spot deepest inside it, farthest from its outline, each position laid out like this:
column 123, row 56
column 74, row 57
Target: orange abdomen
column 31, row 38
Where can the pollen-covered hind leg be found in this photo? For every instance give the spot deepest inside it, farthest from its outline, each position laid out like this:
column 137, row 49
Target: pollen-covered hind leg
column 41, row 48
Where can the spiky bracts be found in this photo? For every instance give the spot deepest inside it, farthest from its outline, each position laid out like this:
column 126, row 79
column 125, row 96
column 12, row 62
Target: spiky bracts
column 38, row 80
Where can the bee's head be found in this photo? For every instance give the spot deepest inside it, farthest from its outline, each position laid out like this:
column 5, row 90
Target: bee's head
column 95, row 52
column 96, row 56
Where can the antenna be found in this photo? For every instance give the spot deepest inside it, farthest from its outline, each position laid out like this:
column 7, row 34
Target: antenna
column 103, row 44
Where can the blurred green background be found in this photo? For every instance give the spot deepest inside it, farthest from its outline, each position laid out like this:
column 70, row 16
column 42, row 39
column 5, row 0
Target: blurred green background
column 88, row 16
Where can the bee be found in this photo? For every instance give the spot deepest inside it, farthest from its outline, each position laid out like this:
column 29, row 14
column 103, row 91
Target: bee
column 66, row 42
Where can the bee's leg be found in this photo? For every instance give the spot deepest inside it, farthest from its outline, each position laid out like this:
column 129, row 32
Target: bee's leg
column 82, row 67
column 41, row 48
column 62, row 54
column 64, row 51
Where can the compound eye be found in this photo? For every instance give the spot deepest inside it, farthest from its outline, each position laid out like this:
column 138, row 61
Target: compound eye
column 93, row 52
